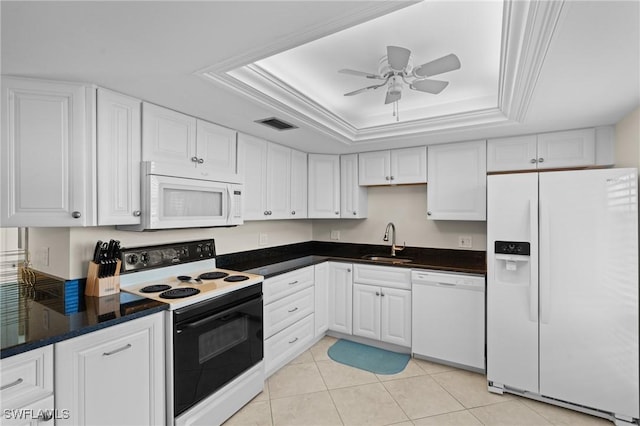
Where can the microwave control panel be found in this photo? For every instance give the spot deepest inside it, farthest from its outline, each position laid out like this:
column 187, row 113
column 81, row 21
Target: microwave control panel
column 150, row 257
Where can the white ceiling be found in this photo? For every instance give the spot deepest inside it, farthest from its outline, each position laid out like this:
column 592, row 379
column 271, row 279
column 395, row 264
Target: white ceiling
column 578, row 66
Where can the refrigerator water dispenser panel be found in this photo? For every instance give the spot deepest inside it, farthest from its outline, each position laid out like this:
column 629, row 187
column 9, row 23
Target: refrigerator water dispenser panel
column 512, row 247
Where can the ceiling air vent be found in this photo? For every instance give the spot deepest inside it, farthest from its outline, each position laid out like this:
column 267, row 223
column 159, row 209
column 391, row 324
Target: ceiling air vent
column 276, row 123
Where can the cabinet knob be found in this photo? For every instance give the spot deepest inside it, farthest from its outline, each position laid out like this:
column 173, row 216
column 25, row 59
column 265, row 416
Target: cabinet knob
column 540, row 160
column 137, row 213
column 293, row 212
column 382, row 294
column 76, row 215
column 194, row 159
column 386, row 178
column 348, row 269
column 428, row 213
column 392, row 178
column 200, row 160
column 45, row 415
column 377, row 294
column 337, row 212
column 533, row 161
column 266, row 212
column 355, row 213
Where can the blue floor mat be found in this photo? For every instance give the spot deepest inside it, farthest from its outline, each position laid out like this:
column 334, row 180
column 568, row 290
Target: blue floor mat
column 365, row 357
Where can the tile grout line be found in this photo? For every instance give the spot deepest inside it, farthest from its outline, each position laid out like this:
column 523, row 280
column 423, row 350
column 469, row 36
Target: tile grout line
column 335, row 407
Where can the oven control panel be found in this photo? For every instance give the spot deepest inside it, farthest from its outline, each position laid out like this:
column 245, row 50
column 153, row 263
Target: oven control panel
column 150, row 257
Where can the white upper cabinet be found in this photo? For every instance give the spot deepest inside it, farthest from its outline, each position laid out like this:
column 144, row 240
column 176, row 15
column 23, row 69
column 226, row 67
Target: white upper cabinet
column 394, row 167
column 573, row 148
column 174, row 138
column 48, row 154
column 168, row 136
column 353, row 197
column 457, row 188
column 298, row 184
column 275, row 180
column 324, row 186
column 119, row 153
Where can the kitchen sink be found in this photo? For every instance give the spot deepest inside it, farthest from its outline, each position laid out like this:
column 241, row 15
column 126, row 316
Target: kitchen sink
column 386, row 259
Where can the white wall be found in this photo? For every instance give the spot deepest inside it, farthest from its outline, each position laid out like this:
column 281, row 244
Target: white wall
column 406, row 207
column 70, row 249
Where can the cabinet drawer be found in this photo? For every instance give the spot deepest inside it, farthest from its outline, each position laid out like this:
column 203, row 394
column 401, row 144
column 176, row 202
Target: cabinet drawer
column 34, row 413
column 287, row 344
column 283, row 285
column 27, row 376
column 284, row 312
column 386, row 276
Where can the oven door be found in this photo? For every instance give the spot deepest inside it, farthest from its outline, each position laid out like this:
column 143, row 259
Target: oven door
column 176, row 202
column 214, row 342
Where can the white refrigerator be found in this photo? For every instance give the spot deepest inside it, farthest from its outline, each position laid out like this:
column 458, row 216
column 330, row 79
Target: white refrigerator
column 562, row 288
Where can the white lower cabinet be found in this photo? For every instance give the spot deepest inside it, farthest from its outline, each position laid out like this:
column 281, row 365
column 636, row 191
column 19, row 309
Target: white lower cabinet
column 26, row 388
column 340, row 297
column 288, row 317
column 113, row 376
column 382, row 312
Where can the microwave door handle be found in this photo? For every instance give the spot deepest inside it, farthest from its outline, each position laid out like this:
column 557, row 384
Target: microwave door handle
column 182, row 327
column 229, row 203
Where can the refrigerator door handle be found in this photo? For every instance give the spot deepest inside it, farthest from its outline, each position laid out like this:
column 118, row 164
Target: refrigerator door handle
column 533, row 276
column 545, row 266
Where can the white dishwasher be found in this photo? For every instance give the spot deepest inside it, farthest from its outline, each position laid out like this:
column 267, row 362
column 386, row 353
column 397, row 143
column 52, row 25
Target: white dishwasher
column 448, row 318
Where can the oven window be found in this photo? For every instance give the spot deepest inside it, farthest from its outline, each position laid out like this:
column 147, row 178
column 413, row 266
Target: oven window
column 191, row 203
column 214, row 342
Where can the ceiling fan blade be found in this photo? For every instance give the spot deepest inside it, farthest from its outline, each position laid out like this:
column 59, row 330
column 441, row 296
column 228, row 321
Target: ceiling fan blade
column 398, row 57
column 438, row 66
column 361, row 74
column 364, row 89
column 429, row 86
column 392, row 96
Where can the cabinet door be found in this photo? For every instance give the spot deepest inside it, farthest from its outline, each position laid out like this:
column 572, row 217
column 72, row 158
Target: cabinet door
column 574, row 148
column 353, row 197
column 457, row 188
column 113, row 376
column 374, row 168
column 118, row 161
column 253, row 166
column 216, row 150
column 324, row 186
column 47, row 154
column 321, row 298
column 278, row 187
column 515, row 153
column 395, row 317
column 298, row 185
column 366, row 311
column 409, row 165
column 168, row 136
column 340, row 297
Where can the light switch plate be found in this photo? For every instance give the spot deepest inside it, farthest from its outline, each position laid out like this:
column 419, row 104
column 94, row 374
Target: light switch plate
column 264, row 239
column 465, row 241
column 335, row 235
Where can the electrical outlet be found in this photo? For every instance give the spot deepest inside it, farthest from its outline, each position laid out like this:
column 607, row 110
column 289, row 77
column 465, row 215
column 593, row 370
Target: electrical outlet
column 335, row 235
column 465, row 241
column 264, row 239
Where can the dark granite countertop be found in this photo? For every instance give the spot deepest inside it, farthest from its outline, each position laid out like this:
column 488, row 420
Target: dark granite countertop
column 278, row 260
column 53, row 310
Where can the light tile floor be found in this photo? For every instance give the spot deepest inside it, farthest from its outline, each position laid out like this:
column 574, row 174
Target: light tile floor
column 315, row 390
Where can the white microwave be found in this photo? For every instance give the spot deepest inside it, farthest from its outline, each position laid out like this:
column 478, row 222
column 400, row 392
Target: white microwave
column 173, row 198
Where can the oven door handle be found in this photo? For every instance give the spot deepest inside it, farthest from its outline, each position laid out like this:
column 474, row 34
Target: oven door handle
column 182, row 327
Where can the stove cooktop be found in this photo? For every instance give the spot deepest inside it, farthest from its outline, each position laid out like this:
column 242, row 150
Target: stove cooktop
column 185, row 289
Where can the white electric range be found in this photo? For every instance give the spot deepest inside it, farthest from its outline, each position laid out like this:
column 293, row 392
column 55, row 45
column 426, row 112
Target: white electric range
column 214, row 327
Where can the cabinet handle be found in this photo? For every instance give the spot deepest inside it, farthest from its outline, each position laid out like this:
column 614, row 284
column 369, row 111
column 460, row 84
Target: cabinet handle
column 200, row 160
column 10, row 385
column 428, row 213
column 45, row 415
column 137, row 213
column 124, row 348
column 294, row 340
column 76, row 215
column 293, row 282
column 540, row 160
column 293, row 310
column 533, row 161
column 194, row 159
column 293, row 212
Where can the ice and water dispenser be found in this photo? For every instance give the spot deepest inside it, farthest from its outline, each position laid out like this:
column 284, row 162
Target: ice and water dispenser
column 512, row 262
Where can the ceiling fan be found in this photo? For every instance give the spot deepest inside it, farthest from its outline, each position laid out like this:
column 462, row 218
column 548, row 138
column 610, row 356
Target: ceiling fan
column 397, row 68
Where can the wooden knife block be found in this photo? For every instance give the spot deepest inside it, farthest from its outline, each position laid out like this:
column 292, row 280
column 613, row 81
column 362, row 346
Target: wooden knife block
column 104, row 286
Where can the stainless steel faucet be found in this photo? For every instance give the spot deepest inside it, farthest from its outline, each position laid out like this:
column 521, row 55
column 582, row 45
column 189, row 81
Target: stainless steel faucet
column 394, row 248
